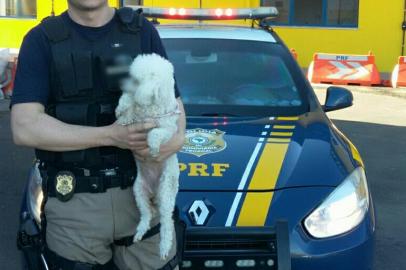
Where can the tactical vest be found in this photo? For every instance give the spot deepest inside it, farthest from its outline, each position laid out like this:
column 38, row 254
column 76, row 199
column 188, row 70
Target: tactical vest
column 85, row 84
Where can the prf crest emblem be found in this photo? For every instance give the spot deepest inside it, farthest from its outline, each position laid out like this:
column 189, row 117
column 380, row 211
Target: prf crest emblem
column 65, row 183
column 200, row 142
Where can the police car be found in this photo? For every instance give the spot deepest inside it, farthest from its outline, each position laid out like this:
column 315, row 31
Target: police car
column 267, row 180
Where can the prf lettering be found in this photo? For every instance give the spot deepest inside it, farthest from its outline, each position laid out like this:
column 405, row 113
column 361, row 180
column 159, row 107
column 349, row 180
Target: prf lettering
column 202, row 169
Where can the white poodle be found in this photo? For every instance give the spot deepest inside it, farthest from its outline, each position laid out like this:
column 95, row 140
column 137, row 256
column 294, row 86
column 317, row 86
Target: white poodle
column 150, row 95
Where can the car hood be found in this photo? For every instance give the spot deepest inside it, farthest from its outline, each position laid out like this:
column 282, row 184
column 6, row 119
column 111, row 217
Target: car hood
column 222, row 154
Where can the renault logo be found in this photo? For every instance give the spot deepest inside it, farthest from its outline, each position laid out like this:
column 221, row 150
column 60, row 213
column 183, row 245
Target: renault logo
column 199, row 212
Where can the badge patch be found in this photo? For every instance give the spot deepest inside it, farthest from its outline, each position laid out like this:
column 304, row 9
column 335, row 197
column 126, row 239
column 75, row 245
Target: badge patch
column 65, row 183
column 200, row 142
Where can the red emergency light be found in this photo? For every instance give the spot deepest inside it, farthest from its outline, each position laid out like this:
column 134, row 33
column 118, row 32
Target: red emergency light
column 209, row 13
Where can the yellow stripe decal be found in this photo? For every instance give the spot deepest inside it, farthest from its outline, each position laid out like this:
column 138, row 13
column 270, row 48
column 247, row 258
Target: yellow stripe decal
column 284, row 134
column 355, row 154
column 288, row 118
column 279, row 140
column 283, row 127
column 354, row 151
column 256, row 204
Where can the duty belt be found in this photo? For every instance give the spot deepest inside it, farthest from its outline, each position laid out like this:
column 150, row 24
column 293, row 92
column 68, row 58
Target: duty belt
column 63, row 184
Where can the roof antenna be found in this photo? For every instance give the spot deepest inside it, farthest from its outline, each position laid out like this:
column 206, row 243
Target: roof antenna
column 53, row 8
column 154, row 20
column 201, row 5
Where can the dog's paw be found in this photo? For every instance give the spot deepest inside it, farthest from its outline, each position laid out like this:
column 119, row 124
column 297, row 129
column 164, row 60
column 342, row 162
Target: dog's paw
column 164, row 249
column 166, row 243
column 154, row 141
column 141, row 231
column 138, row 237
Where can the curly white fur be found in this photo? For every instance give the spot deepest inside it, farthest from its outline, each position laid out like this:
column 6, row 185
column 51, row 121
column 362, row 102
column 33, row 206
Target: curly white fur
column 150, row 94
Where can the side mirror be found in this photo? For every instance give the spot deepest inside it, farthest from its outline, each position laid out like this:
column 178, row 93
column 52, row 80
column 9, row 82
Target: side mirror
column 337, row 98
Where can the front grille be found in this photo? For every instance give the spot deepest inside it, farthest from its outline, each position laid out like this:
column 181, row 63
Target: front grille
column 229, row 248
column 235, row 245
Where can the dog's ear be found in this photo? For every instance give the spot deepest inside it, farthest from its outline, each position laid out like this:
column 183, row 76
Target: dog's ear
column 166, row 92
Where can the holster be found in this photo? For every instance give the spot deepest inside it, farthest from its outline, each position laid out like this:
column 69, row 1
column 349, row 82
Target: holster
column 180, row 228
column 31, row 243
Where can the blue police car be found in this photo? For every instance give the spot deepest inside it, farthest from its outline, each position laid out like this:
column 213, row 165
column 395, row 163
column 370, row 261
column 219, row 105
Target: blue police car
column 267, row 180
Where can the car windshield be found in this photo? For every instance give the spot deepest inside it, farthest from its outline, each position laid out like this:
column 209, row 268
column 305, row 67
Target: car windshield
column 234, row 77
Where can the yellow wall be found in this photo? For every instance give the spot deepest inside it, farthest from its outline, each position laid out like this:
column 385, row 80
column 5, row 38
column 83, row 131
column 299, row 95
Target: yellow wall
column 13, row 30
column 378, row 30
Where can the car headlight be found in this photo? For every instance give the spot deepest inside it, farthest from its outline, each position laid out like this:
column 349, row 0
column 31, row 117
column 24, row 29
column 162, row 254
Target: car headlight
column 343, row 210
column 35, row 194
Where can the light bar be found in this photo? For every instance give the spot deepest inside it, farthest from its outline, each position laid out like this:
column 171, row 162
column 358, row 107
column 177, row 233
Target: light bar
column 208, row 13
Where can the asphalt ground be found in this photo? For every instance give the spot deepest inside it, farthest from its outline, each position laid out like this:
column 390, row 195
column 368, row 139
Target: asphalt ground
column 376, row 124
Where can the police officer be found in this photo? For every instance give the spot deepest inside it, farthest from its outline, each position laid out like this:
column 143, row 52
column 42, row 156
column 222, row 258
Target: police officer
column 66, row 89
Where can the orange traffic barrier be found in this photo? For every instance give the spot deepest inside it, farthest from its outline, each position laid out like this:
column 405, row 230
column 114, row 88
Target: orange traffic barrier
column 10, row 76
column 399, row 73
column 294, row 53
column 344, row 69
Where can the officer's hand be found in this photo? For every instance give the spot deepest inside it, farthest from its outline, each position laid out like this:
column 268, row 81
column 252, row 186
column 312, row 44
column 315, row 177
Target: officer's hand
column 132, row 137
column 165, row 150
column 142, row 154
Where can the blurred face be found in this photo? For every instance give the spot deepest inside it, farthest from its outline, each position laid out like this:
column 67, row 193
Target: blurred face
column 87, row 5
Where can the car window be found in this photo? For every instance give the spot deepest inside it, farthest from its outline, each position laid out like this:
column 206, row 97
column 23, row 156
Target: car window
column 232, row 73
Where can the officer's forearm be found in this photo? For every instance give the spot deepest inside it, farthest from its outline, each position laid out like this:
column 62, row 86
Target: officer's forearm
column 32, row 127
column 174, row 144
column 177, row 141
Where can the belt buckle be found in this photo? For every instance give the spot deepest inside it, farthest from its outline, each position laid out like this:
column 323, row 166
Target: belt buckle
column 65, row 184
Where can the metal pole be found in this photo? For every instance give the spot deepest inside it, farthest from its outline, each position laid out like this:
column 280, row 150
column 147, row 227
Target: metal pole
column 403, row 29
column 200, row 3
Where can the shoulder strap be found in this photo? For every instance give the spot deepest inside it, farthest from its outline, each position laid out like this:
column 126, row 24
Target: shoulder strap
column 55, row 28
column 131, row 19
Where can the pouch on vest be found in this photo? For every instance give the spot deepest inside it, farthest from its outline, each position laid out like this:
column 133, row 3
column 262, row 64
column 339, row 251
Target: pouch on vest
column 83, row 115
column 74, row 74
